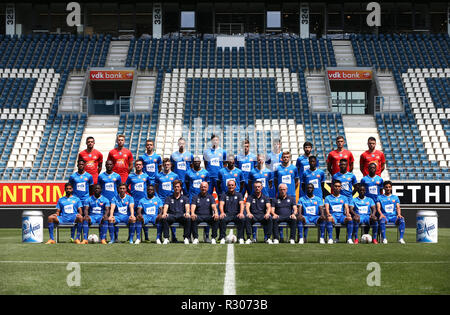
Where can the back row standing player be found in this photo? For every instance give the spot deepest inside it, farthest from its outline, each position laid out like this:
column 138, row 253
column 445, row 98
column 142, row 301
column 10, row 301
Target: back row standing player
column 122, row 159
column 93, row 159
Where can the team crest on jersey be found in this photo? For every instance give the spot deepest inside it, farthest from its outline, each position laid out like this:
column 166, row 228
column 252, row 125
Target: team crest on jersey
column 85, row 179
column 377, row 183
column 235, row 175
column 315, row 202
column 73, row 201
column 171, row 178
column 317, row 176
column 288, row 200
column 155, row 203
column 341, row 201
column 290, row 172
column 202, row 176
column 154, row 160
column 120, row 153
column 90, row 155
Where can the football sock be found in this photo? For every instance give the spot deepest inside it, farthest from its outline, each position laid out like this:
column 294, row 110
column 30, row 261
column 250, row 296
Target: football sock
column 158, row 230
column 51, row 227
column 300, row 229
column 355, row 229
column 374, row 226
column 401, row 227
column 111, row 231
column 322, row 229
column 383, row 228
column 349, row 229
column 330, row 229
column 138, row 228
column 146, row 232
column 132, row 229
column 85, row 230
column 72, row 232
column 79, row 230
column 103, row 229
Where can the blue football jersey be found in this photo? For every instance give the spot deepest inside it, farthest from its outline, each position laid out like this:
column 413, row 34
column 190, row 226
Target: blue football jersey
column 213, row 159
column 68, row 206
column 138, row 185
column 388, row 204
column 110, row 184
column 287, row 175
column 310, row 206
column 302, row 165
column 123, row 205
column 246, row 163
column 336, row 204
column 151, row 164
column 164, row 182
column 225, row 175
column 150, row 206
column 181, row 163
column 348, row 180
column 193, row 180
column 81, row 183
column 97, row 206
column 373, row 186
column 316, row 178
column 362, row 206
column 264, row 176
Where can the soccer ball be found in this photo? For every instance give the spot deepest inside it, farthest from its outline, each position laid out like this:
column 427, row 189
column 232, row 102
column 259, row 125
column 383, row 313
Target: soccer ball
column 93, row 238
column 231, row 238
column 366, row 239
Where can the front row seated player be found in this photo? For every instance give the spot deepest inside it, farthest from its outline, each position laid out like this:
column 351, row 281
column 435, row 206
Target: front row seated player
column 311, row 211
column 336, row 207
column 388, row 207
column 96, row 210
column 176, row 209
column 122, row 211
column 149, row 210
column 231, row 206
column 363, row 211
column 204, row 209
column 68, row 211
column 284, row 209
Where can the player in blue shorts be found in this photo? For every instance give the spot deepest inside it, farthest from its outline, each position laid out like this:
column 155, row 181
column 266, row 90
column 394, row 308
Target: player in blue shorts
column 373, row 183
column 152, row 161
column 122, row 211
column 336, row 207
column 246, row 162
column 303, row 164
column 194, row 177
column 82, row 183
column 213, row 159
column 347, row 179
column 164, row 188
column 181, row 161
column 314, row 176
column 230, row 172
column 388, row 207
column 273, row 161
column 363, row 211
column 68, row 210
column 96, row 210
column 109, row 181
column 310, row 211
column 149, row 210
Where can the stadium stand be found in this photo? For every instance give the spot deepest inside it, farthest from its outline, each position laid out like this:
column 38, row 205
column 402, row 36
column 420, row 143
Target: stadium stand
column 258, row 92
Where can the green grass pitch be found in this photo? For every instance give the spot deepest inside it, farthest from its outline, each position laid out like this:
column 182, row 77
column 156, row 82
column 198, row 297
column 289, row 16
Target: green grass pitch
column 260, row 269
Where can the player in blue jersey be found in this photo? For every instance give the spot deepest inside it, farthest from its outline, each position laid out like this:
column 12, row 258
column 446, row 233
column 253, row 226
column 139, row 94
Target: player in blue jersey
column 261, row 174
column 109, row 181
column 302, row 163
column 246, row 162
column 68, row 210
column 122, row 211
column 164, row 188
column 181, row 161
column 336, row 207
column 314, row 176
column 286, row 173
column 273, row 161
column 310, row 211
column 230, row 172
column 96, row 210
column 137, row 183
column 388, row 208
column 347, row 179
column 149, row 210
column 152, row 161
column 363, row 211
column 213, row 159
column 373, row 183
column 194, row 177
column 82, row 183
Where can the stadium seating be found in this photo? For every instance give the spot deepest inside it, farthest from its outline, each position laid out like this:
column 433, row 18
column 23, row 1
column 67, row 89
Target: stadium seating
column 41, row 144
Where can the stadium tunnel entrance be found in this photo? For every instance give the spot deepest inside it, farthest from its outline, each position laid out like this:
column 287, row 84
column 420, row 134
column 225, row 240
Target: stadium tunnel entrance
column 109, row 98
column 109, row 90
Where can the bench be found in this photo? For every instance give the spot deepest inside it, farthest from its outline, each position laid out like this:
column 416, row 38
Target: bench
column 283, row 225
column 361, row 229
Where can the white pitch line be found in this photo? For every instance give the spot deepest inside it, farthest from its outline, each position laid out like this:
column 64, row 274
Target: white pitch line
column 229, row 286
column 230, row 254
